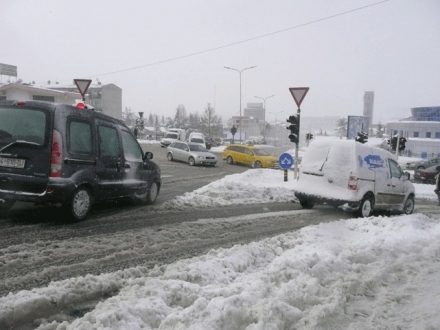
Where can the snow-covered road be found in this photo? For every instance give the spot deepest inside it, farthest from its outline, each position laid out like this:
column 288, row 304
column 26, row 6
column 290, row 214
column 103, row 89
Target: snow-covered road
column 253, row 267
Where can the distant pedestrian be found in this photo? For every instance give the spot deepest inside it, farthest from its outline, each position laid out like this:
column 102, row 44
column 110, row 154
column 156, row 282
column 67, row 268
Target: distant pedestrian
column 437, row 184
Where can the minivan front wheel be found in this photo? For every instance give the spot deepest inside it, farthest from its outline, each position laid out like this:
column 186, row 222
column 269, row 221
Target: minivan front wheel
column 80, row 204
column 191, row 161
column 229, row 160
column 153, row 192
column 408, row 207
column 366, row 207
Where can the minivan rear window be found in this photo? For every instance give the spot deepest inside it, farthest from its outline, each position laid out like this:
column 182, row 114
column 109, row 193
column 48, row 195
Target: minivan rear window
column 23, row 124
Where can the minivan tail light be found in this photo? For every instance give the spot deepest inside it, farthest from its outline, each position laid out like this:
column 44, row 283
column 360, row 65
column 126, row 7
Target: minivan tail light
column 56, row 155
column 353, row 182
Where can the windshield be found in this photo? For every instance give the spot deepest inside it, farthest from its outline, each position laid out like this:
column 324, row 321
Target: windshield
column 171, row 136
column 22, row 124
column 196, row 147
column 197, row 140
column 261, row 152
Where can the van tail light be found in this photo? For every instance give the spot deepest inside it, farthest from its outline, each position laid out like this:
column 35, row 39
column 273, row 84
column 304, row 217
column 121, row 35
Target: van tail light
column 56, row 155
column 353, row 182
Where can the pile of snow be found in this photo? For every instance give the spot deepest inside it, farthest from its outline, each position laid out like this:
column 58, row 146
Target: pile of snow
column 359, row 273
column 218, row 149
column 252, row 186
column 141, row 141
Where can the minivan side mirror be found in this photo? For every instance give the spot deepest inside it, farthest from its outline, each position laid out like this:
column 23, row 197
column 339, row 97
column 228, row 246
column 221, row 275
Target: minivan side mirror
column 148, row 155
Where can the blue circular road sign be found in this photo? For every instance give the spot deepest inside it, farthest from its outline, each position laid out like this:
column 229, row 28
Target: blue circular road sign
column 285, row 161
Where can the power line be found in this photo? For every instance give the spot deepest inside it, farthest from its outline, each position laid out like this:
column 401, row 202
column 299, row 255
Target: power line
column 235, row 43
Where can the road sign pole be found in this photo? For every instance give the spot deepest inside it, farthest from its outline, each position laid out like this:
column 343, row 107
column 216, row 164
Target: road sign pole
column 295, row 175
column 285, row 176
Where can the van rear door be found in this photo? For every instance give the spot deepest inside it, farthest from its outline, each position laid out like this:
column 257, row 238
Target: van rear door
column 24, row 148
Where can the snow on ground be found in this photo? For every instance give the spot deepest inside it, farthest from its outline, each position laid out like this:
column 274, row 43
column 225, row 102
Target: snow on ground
column 374, row 273
column 218, row 149
column 255, row 186
column 148, row 141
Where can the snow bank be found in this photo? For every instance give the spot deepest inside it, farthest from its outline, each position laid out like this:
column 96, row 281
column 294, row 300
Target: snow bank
column 358, row 274
column 252, row 186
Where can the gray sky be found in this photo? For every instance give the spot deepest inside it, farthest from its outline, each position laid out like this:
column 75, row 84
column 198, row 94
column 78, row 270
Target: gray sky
column 392, row 48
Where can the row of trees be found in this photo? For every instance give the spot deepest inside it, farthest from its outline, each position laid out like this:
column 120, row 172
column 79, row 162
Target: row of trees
column 208, row 122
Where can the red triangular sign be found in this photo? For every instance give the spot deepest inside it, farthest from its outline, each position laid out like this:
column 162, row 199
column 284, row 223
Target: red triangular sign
column 298, row 94
column 82, row 85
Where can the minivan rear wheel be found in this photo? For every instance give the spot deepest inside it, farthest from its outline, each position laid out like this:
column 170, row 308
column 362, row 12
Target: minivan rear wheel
column 257, row 164
column 366, row 207
column 80, row 204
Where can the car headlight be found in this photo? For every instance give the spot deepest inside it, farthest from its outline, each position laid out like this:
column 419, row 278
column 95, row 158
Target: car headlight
column 200, row 157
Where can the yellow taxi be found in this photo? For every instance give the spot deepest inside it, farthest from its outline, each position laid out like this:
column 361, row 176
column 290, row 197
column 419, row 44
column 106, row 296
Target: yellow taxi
column 249, row 155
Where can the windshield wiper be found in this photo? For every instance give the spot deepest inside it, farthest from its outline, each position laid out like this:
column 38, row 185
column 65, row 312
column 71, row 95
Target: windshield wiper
column 19, row 142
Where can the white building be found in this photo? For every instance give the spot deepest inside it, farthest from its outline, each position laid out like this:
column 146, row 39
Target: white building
column 104, row 98
column 26, row 92
column 422, row 131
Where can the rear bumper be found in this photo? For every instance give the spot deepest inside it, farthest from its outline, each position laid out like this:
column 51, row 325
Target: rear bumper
column 56, row 191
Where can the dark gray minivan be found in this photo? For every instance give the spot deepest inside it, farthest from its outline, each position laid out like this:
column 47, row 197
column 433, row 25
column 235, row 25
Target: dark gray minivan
column 70, row 155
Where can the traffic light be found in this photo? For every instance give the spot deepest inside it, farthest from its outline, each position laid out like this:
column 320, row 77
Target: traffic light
column 402, row 142
column 309, row 136
column 294, row 129
column 393, row 143
column 362, row 137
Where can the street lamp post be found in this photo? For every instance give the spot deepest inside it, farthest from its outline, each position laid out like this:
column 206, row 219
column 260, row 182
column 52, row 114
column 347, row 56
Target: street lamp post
column 264, row 111
column 239, row 73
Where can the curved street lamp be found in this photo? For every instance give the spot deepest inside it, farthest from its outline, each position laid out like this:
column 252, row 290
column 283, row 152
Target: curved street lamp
column 239, row 73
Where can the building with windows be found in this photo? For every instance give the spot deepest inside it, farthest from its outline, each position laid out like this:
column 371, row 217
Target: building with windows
column 27, row 92
column 255, row 110
column 104, row 98
column 422, row 131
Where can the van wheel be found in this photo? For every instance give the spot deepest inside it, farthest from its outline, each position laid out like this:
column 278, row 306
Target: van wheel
column 306, row 203
column 257, row 164
column 191, row 161
column 229, row 160
column 153, row 192
column 80, row 204
column 366, row 207
column 5, row 206
column 408, row 207
column 170, row 156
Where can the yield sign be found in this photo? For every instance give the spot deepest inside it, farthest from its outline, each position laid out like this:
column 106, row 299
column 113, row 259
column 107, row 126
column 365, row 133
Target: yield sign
column 82, row 85
column 298, row 94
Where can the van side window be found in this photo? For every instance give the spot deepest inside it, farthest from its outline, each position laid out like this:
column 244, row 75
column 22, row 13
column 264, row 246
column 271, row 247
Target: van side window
column 132, row 151
column 396, row 172
column 80, row 137
column 108, row 141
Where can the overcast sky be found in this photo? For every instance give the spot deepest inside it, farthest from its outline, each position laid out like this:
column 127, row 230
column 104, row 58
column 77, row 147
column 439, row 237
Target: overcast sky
column 392, row 48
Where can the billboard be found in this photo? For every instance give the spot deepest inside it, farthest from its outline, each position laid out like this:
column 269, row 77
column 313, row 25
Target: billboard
column 356, row 124
column 8, row 70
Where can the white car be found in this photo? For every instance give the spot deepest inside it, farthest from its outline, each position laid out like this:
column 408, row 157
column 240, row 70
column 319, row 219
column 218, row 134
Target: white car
column 355, row 176
column 191, row 153
column 197, row 138
column 169, row 138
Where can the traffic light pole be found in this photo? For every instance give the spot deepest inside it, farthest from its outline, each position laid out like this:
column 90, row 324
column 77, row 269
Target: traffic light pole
column 295, row 173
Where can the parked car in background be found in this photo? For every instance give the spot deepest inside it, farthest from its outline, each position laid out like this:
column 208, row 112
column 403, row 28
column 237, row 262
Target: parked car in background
column 249, row 155
column 61, row 154
column 426, row 175
column 191, row 153
column 421, row 164
column 169, row 138
column 198, row 138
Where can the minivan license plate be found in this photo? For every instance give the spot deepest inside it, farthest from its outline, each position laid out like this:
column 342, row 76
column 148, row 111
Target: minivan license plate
column 11, row 162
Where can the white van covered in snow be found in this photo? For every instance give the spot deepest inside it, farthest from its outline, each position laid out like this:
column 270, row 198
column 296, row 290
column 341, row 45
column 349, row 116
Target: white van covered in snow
column 355, row 176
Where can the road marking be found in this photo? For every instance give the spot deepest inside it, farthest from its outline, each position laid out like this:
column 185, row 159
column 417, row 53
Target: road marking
column 166, row 176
